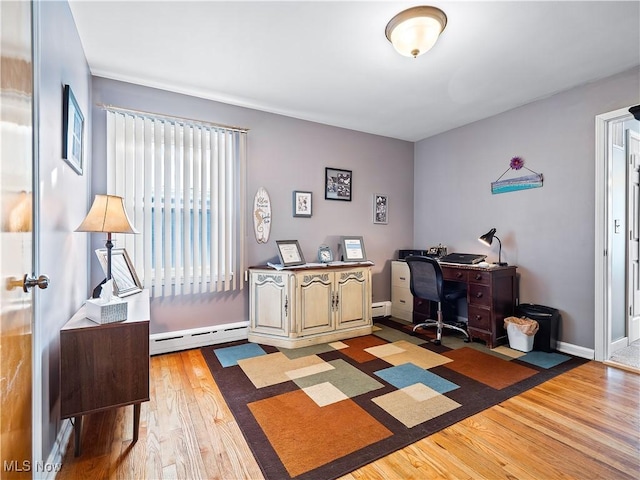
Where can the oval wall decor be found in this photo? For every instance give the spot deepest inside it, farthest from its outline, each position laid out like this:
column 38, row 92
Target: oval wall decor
column 262, row 215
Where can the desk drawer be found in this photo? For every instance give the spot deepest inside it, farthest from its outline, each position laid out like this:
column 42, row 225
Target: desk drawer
column 478, row 276
column 402, row 298
column 400, row 274
column 479, row 318
column 479, row 294
column 457, row 275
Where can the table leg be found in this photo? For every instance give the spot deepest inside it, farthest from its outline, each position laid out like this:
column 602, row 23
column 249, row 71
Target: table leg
column 77, row 428
column 136, row 421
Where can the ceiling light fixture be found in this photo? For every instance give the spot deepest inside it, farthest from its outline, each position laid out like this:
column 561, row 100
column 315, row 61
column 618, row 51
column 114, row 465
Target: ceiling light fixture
column 416, row 30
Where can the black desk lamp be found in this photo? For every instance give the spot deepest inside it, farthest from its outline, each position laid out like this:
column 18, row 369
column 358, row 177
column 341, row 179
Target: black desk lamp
column 487, row 239
column 107, row 215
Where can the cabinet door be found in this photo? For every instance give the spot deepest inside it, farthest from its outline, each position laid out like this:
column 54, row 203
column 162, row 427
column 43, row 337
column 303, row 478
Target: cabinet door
column 270, row 306
column 315, row 303
column 353, row 299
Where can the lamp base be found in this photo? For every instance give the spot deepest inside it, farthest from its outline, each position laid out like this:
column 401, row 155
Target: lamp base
column 98, row 290
column 501, row 264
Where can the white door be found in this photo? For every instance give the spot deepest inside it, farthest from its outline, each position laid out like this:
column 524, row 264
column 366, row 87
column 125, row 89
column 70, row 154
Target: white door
column 16, row 312
column 633, row 245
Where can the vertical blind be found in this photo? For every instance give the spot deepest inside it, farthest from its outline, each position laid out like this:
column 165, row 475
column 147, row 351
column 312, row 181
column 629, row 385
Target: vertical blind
column 183, row 184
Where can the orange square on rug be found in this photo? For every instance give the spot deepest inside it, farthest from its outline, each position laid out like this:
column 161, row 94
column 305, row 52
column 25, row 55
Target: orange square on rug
column 357, row 346
column 487, row 369
column 306, row 436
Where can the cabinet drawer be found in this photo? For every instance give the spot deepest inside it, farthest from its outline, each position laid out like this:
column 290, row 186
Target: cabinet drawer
column 454, row 274
column 400, row 274
column 477, row 276
column 479, row 318
column 479, row 294
column 402, row 298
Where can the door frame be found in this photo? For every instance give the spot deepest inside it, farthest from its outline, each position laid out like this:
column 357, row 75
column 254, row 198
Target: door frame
column 602, row 260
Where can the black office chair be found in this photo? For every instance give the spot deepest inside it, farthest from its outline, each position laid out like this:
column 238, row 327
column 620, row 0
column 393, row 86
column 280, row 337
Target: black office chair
column 427, row 283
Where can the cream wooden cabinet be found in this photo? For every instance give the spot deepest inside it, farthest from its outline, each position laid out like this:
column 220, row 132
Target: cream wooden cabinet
column 401, row 297
column 300, row 307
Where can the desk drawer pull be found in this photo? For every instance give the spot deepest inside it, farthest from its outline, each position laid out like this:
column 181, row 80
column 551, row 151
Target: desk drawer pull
column 458, row 275
column 402, row 301
column 478, row 318
column 403, row 278
column 478, row 276
column 479, row 295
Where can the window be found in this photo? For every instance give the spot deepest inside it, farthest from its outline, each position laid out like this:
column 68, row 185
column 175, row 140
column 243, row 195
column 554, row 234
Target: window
column 184, row 185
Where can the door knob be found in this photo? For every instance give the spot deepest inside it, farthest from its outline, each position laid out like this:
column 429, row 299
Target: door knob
column 28, row 282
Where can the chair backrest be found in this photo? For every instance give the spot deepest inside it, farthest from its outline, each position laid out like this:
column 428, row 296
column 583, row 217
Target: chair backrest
column 426, row 278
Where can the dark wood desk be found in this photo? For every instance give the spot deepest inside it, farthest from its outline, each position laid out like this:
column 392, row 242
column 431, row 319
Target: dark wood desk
column 491, row 296
column 105, row 366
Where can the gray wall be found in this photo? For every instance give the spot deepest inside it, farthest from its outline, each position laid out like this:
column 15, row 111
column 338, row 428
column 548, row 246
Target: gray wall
column 547, row 232
column 64, row 201
column 284, row 154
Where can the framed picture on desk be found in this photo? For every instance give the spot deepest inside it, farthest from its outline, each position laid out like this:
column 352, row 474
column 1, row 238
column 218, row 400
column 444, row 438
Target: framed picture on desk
column 353, row 249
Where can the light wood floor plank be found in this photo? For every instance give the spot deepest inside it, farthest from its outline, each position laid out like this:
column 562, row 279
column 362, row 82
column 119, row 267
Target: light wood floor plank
column 584, row 424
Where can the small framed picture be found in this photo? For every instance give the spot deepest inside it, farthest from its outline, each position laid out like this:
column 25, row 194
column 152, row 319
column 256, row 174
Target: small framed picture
column 125, row 280
column 380, row 208
column 337, row 184
column 301, row 204
column 72, row 131
column 353, row 249
column 290, row 253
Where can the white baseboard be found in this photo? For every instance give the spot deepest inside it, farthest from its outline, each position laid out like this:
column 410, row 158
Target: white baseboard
column 381, row 309
column 197, row 337
column 53, row 464
column 576, row 350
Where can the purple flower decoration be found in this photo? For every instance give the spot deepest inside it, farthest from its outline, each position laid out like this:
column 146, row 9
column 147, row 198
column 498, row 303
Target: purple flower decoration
column 516, row 163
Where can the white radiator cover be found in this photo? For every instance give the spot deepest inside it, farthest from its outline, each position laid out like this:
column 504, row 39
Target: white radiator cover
column 381, row 309
column 197, row 337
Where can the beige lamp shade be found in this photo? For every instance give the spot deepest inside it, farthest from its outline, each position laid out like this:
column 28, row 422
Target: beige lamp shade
column 415, row 31
column 107, row 214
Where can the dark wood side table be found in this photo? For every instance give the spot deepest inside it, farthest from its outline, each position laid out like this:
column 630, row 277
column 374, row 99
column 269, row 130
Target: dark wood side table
column 105, row 366
column 491, row 296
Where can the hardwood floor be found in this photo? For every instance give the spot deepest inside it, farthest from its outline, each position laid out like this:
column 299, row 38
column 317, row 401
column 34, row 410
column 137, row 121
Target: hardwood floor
column 584, row 424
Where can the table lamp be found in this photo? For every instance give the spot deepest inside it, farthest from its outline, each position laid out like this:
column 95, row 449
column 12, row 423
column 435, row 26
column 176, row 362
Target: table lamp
column 107, row 215
column 487, row 239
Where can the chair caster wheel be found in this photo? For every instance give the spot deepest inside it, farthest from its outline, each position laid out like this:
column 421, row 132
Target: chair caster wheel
column 467, row 340
column 437, row 342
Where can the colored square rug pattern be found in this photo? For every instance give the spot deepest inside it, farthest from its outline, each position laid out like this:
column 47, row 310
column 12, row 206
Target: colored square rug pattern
column 322, row 411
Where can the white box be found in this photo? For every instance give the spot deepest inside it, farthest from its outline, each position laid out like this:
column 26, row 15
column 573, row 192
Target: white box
column 113, row 311
column 518, row 340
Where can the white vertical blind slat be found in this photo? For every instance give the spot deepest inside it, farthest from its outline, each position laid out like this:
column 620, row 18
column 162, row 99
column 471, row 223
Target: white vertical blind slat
column 147, row 199
column 197, row 157
column 157, row 210
column 186, row 219
column 166, row 207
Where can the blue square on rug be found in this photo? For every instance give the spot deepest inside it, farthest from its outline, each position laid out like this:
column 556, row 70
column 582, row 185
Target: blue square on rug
column 544, row 359
column 409, row 374
column 229, row 356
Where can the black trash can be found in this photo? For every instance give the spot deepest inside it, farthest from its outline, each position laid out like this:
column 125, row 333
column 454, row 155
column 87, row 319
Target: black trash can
column 548, row 319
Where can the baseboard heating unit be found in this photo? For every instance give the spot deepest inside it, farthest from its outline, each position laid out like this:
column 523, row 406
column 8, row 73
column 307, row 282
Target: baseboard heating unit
column 381, row 309
column 197, row 337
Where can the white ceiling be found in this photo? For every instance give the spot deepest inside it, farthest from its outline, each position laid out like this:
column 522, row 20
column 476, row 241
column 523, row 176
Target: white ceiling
column 330, row 62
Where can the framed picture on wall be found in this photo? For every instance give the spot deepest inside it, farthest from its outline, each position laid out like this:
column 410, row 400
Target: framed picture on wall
column 380, row 208
column 301, row 204
column 337, row 184
column 72, row 131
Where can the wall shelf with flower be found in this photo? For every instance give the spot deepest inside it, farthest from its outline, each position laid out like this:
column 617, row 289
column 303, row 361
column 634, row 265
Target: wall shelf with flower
column 518, row 183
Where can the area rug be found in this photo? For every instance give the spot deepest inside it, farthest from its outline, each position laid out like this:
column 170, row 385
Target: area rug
column 322, row 411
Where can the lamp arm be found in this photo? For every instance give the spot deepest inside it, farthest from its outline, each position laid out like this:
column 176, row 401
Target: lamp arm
column 109, row 246
column 499, row 250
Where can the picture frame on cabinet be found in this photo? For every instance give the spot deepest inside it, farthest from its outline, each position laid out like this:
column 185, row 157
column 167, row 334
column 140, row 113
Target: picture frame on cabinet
column 380, row 209
column 290, row 253
column 302, row 204
column 337, row 184
column 72, row 131
column 353, row 249
column 125, row 279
